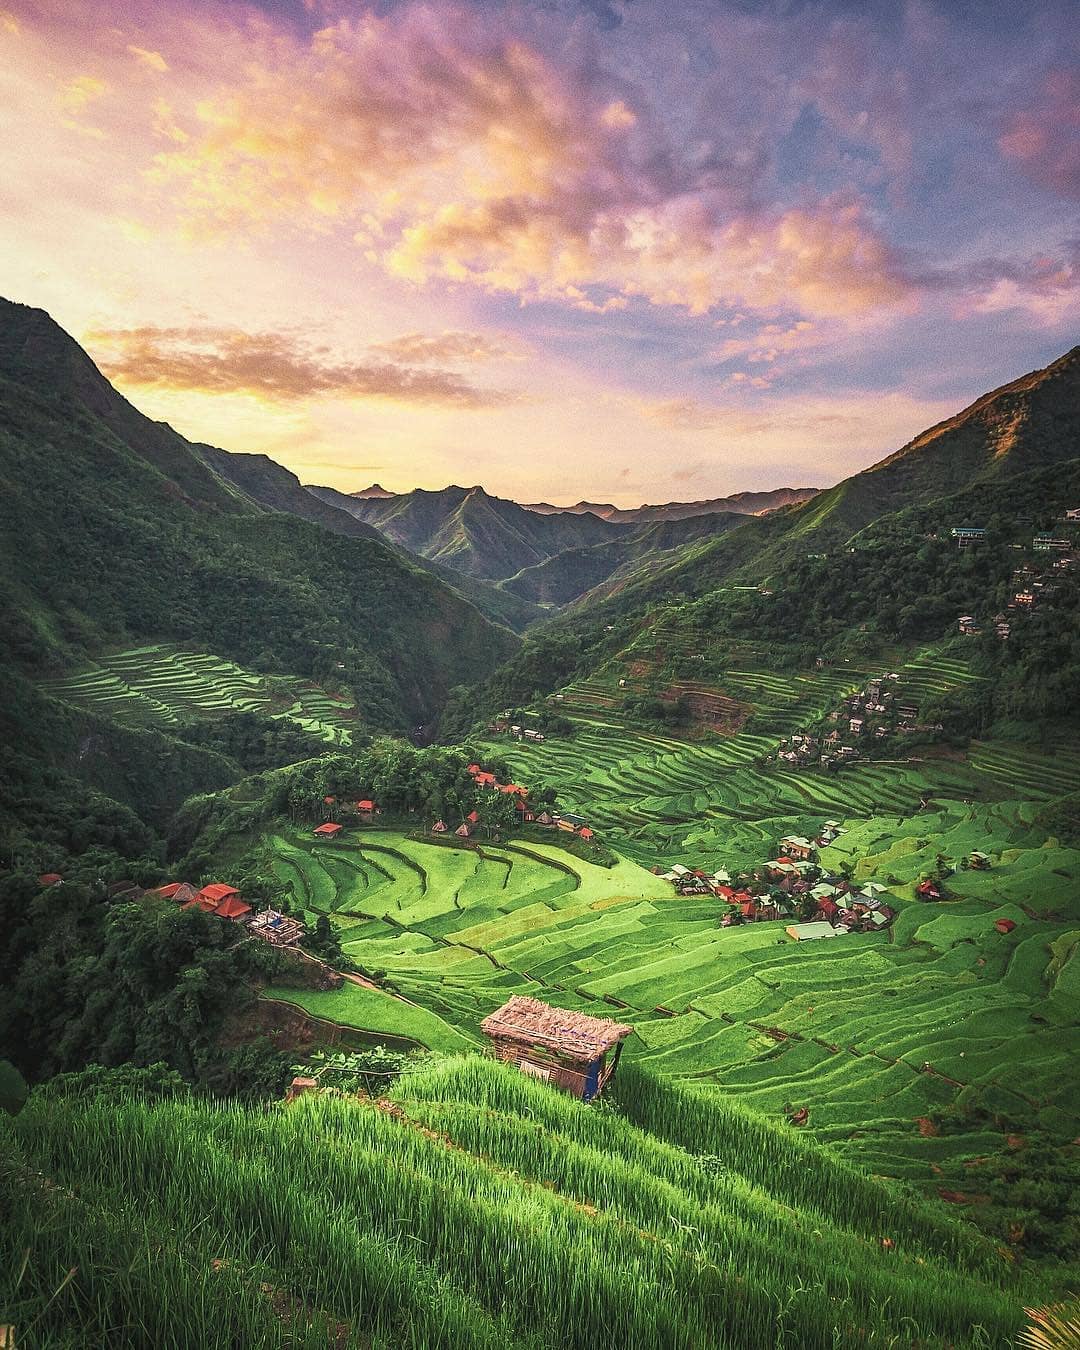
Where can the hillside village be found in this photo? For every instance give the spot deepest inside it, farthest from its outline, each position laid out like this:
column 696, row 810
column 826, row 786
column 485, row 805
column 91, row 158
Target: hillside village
column 814, row 902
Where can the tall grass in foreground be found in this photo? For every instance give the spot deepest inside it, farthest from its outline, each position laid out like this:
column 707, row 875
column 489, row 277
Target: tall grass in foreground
column 479, row 1210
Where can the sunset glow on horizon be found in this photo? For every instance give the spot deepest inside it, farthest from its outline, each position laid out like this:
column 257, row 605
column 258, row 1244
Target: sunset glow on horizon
column 618, row 251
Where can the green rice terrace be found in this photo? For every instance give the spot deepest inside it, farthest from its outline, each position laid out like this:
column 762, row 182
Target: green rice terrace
column 165, row 686
column 708, row 801
column 474, row 1208
column 871, row 1033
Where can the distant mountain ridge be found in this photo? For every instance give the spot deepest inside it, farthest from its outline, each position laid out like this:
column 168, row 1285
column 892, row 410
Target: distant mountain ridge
column 471, row 531
column 739, row 503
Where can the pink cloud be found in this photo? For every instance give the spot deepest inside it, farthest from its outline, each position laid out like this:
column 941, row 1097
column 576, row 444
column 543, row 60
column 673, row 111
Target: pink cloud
column 534, row 179
column 1043, row 138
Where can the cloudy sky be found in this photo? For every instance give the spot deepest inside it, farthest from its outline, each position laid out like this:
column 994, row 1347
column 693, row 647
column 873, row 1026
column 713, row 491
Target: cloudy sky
column 632, row 251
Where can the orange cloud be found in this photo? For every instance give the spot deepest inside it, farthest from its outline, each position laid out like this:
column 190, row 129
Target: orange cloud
column 449, row 347
column 151, row 60
column 274, row 365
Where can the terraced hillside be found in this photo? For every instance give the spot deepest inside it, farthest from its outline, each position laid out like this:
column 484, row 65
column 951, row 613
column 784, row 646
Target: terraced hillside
column 707, row 800
column 474, row 1208
column 164, row 686
column 844, row 1028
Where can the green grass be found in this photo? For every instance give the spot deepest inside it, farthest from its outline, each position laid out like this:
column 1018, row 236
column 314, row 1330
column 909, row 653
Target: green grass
column 481, row 1210
column 353, row 1005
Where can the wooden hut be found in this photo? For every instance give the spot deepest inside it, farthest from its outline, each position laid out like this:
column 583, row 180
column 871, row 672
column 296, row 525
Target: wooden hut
column 568, row 1049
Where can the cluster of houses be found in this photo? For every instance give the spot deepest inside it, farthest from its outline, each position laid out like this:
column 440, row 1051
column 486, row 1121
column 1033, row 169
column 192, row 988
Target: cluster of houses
column 865, row 717
column 792, row 886
column 967, row 535
column 1034, row 584
column 502, row 726
column 226, row 902
column 527, row 813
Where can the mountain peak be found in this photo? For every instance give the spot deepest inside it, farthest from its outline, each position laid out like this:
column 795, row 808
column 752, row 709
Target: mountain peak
column 376, row 490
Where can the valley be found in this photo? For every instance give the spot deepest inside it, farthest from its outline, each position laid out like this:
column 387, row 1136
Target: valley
column 284, row 796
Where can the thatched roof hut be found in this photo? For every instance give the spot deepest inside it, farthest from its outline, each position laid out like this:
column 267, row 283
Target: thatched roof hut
column 566, row 1048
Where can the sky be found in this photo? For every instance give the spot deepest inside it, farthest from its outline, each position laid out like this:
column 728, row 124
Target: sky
column 623, row 250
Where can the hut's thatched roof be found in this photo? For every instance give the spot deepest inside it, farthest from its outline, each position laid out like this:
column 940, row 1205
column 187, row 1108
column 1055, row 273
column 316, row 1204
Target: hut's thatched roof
column 572, row 1034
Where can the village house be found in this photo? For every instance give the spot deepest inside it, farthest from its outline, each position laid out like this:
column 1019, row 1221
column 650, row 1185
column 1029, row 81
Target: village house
column 1024, row 599
column 979, row 861
column 966, row 535
column 439, row 827
column 808, row 932
column 279, row 930
column 567, row 1049
column 966, row 624
column 570, row 823
column 794, row 846
column 330, row 830
column 50, row 879
column 1046, row 543
column 217, row 898
column 855, row 726
column 367, row 810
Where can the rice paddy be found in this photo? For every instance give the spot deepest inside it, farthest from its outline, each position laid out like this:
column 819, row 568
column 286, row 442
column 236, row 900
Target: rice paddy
column 845, row 1028
column 165, row 686
column 477, row 1209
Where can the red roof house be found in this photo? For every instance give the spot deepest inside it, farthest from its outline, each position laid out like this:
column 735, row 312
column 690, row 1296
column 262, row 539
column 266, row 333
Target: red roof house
column 168, row 892
column 585, row 832
column 828, row 909
column 50, row 879
column 328, row 830
column 233, row 908
column 724, row 892
column 366, row 805
column 202, row 902
column 464, row 830
column 1004, row 925
column 329, row 800
column 484, row 779
column 439, row 827
column 217, row 891
column 473, row 768
column 473, row 817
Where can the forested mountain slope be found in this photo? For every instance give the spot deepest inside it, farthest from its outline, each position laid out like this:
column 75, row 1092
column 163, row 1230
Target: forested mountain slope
column 574, row 572
column 114, row 529
column 270, row 485
column 1027, row 425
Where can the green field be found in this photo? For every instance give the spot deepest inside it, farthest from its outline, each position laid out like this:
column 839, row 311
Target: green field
column 164, row 686
column 474, row 1208
column 706, row 800
column 844, row 1028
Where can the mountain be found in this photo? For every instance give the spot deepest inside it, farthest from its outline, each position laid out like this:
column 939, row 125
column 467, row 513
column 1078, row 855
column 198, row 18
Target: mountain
column 740, row 503
column 268, row 484
column 1025, row 426
column 116, row 531
column 572, row 574
column 375, row 490
column 471, row 531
